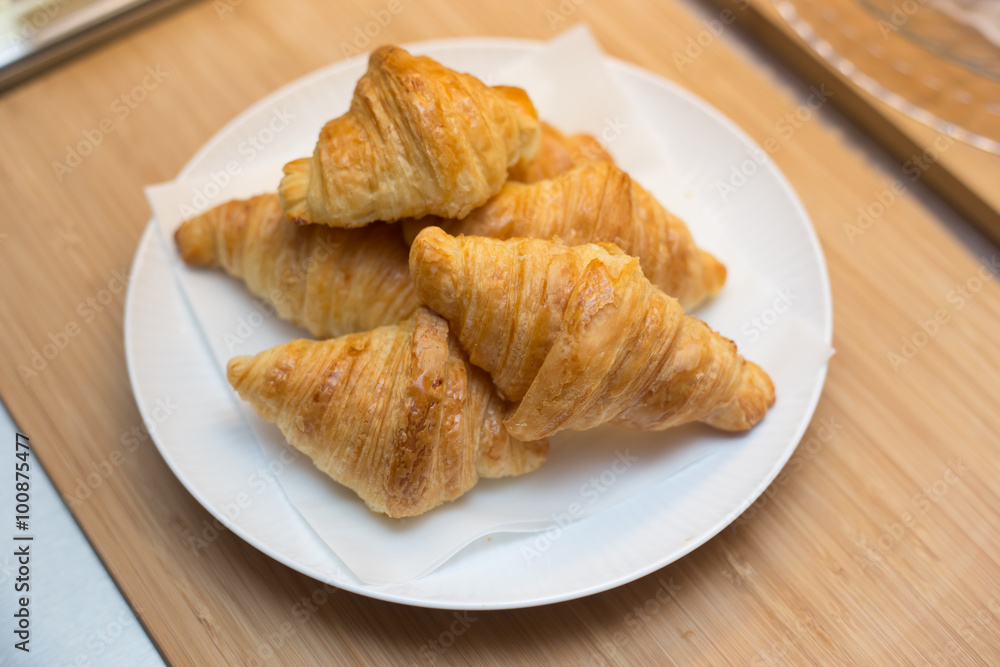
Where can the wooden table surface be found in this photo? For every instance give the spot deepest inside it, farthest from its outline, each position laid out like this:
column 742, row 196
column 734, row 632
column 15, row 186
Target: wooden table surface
column 877, row 546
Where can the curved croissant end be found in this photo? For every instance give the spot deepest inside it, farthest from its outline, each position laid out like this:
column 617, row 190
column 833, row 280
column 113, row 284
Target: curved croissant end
column 577, row 336
column 419, row 139
column 750, row 404
column 396, row 414
column 294, row 194
column 196, row 241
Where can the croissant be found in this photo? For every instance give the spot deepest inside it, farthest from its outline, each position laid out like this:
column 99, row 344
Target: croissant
column 329, row 281
column 597, row 202
column 577, row 336
column 558, row 154
column 396, row 414
column 419, row 139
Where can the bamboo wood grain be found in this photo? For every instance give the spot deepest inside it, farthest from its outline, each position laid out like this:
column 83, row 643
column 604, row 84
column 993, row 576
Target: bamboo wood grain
column 876, row 545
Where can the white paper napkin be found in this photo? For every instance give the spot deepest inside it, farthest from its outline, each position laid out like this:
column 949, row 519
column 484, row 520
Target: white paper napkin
column 586, row 472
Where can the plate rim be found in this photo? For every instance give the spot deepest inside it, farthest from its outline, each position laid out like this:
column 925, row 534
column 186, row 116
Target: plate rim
column 373, row 591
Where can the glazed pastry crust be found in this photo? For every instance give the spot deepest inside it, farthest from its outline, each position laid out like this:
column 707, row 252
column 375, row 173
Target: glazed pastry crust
column 329, row 281
column 577, row 336
column 558, row 154
column 396, row 414
column 597, row 202
column 419, row 139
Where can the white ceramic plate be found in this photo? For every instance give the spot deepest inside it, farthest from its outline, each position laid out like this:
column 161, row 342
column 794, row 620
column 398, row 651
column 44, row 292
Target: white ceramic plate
column 169, row 364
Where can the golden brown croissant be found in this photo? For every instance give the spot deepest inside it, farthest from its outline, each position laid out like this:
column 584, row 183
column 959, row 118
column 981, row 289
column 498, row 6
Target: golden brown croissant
column 591, row 203
column 577, row 336
column 396, row 414
column 419, row 139
column 330, row 281
column 558, row 154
